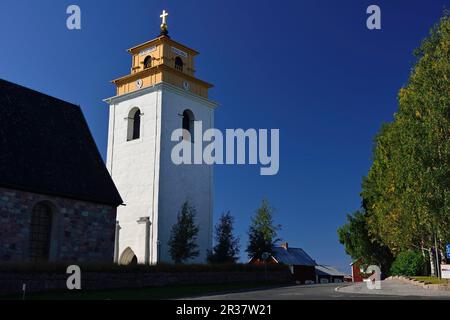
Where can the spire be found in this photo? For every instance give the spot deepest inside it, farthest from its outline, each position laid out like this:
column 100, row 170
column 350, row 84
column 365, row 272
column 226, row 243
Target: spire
column 164, row 29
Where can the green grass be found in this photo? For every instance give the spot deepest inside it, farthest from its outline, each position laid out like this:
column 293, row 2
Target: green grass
column 432, row 280
column 152, row 293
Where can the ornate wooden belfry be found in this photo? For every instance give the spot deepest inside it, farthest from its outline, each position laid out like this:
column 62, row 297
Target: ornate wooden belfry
column 162, row 60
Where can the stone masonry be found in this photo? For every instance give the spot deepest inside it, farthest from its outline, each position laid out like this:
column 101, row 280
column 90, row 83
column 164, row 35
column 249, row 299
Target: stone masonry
column 81, row 231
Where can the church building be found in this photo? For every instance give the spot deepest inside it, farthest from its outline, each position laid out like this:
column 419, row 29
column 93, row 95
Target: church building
column 57, row 199
column 159, row 95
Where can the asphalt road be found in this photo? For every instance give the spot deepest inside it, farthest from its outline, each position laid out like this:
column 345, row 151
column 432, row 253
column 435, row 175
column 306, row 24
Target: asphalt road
column 391, row 290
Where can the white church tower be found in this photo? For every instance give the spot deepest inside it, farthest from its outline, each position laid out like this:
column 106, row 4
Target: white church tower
column 160, row 94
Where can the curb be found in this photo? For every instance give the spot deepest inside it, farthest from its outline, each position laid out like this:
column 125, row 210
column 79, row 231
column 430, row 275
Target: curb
column 423, row 284
column 338, row 289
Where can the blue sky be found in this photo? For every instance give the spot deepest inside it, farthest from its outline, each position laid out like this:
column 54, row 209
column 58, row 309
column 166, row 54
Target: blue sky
column 310, row 68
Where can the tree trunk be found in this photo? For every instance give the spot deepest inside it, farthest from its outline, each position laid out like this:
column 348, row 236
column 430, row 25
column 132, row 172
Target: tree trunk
column 432, row 263
column 442, row 258
column 422, row 249
column 442, row 251
column 426, row 270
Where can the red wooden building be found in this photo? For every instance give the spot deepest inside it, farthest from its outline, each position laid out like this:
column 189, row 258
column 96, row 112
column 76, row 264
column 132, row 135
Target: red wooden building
column 356, row 271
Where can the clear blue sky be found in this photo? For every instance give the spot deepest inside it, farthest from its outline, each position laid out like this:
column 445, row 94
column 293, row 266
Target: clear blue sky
column 310, row 68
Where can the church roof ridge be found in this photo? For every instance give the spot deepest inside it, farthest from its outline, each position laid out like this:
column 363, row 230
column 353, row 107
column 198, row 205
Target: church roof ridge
column 47, row 148
column 6, row 82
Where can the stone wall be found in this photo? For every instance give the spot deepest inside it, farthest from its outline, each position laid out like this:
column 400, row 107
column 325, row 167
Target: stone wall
column 11, row 283
column 81, row 231
column 423, row 284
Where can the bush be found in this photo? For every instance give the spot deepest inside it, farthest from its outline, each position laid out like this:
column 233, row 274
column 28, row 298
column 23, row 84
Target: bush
column 408, row 263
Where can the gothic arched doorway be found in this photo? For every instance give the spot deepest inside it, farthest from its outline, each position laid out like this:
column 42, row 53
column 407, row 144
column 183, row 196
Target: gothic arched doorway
column 128, row 257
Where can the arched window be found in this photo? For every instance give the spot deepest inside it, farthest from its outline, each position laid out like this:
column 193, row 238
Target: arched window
column 178, row 64
column 188, row 125
column 40, row 232
column 147, row 62
column 134, row 124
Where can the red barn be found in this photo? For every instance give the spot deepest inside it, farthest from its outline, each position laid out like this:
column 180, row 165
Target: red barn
column 356, row 271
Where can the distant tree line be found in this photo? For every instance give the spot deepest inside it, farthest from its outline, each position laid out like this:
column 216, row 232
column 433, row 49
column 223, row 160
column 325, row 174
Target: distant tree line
column 405, row 195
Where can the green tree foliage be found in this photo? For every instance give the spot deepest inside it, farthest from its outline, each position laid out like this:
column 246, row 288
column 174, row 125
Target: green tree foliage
column 407, row 188
column 408, row 263
column 183, row 239
column 226, row 249
column 358, row 244
column 406, row 192
column 262, row 232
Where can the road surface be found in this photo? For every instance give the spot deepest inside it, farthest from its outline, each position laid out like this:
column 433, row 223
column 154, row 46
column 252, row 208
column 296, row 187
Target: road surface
column 390, row 290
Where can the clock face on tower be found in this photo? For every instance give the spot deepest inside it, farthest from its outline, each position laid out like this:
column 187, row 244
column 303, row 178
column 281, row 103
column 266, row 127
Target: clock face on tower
column 186, row 85
column 139, row 83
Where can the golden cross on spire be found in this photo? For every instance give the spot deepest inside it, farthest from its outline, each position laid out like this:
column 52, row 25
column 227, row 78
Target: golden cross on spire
column 163, row 16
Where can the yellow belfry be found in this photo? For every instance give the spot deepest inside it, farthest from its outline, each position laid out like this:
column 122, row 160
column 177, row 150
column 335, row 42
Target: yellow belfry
column 162, row 60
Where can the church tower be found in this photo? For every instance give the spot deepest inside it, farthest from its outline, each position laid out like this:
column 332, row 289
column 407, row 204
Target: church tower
column 161, row 94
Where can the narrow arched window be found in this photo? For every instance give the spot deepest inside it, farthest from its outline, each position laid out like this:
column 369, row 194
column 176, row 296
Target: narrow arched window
column 40, row 232
column 188, row 125
column 134, row 124
column 178, row 64
column 147, row 62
